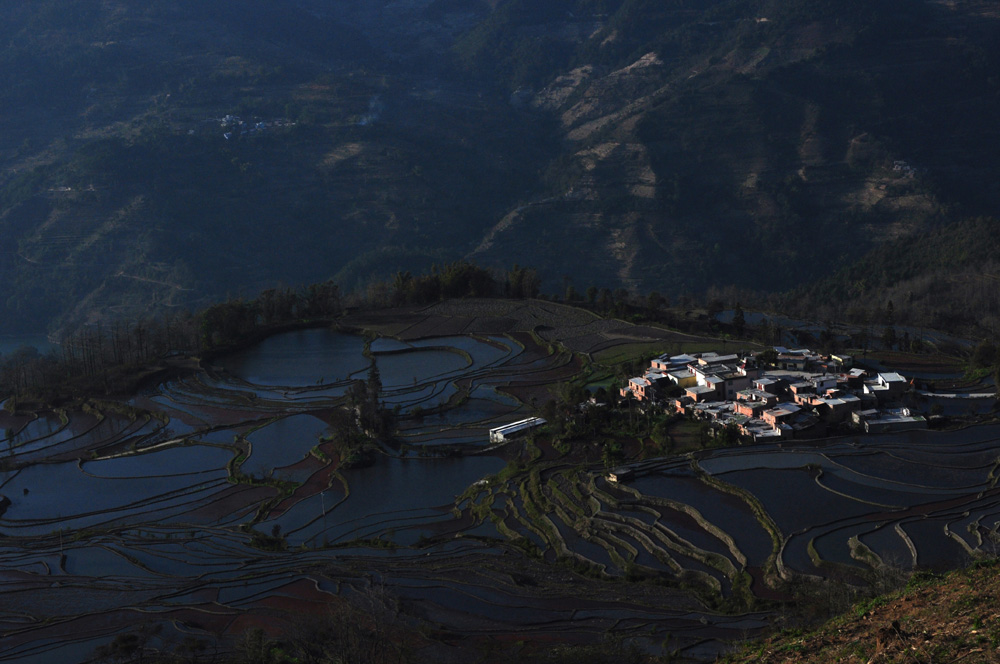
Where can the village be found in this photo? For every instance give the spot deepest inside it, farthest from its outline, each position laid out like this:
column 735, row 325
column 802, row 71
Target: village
column 776, row 394
column 239, row 127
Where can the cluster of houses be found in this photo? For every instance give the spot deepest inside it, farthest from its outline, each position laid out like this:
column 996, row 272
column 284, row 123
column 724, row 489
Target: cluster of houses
column 238, row 126
column 900, row 166
column 800, row 394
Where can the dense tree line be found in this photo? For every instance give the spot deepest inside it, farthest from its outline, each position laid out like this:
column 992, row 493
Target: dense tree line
column 236, row 320
column 105, row 357
column 98, row 358
column 452, row 280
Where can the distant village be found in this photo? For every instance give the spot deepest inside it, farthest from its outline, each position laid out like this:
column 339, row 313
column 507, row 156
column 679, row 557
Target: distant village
column 239, row 127
column 801, row 394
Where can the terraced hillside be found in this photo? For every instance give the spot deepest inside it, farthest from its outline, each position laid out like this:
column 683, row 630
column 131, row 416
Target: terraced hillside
column 237, row 497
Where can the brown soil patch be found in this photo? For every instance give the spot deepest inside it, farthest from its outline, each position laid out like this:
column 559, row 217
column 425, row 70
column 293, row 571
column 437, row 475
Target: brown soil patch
column 917, row 363
column 953, row 620
column 316, row 484
column 235, row 499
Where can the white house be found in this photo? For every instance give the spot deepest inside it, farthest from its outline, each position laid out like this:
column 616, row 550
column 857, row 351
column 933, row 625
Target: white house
column 514, row 429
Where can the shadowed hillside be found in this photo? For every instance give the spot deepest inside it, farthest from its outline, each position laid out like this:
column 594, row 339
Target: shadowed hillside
column 169, row 154
column 761, row 144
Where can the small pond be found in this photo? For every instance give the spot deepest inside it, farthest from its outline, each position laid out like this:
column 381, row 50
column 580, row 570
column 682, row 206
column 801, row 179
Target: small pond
column 302, row 357
column 282, row 443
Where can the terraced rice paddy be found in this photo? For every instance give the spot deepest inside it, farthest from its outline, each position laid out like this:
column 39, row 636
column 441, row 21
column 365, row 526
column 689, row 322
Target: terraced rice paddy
column 214, row 503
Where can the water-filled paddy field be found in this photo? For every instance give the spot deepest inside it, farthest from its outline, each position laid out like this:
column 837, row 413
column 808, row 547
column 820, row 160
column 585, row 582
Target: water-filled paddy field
column 211, row 499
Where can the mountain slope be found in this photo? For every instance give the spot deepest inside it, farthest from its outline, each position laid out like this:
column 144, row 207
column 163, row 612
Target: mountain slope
column 168, row 154
column 715, row 139
column 947, row 619
column 673, row 146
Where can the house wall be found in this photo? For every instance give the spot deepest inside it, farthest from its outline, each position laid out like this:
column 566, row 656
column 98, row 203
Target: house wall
column 734, row 385
column 710, row 396
column 687, row 381
column 748, row 408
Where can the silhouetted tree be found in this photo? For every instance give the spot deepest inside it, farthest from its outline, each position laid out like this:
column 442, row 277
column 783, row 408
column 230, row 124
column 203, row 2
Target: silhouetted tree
column 739, row 321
